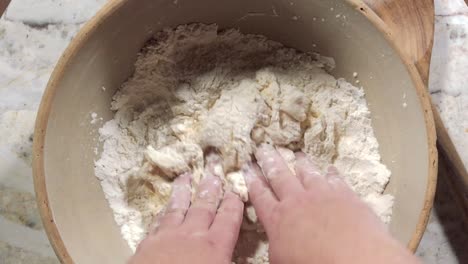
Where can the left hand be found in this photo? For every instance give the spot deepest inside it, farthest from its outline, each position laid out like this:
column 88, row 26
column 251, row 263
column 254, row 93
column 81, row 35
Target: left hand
column 199, row 233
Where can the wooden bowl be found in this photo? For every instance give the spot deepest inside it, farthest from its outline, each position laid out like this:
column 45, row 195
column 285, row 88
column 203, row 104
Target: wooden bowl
column 76, row 215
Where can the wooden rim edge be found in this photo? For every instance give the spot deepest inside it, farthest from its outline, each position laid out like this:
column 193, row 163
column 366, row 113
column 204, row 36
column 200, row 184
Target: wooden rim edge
column 41, row 126
column 425, row 100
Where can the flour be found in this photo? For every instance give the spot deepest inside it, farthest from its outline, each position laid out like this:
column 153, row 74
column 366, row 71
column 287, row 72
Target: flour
column 197, row 89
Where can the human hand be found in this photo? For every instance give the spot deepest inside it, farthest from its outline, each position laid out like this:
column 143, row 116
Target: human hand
column 199, row 233
column 315, row 218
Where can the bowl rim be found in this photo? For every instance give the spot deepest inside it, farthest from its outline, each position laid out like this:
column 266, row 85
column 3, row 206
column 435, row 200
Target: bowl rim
column 110, row 8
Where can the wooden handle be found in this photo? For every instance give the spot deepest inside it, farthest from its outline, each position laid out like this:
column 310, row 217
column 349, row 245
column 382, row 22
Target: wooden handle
column 3, row 5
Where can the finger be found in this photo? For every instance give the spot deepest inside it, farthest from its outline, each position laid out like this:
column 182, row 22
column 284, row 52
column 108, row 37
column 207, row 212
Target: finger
column 308, row 171
column 275, row 169
column 178, row 203
column 228, row 220
column 203, row 210
column 260, row 194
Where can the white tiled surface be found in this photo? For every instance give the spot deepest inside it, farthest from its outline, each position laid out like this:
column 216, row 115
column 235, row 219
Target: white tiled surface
column 33, row 34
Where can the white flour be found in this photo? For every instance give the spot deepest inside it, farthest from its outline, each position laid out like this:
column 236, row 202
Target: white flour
column 195, row 88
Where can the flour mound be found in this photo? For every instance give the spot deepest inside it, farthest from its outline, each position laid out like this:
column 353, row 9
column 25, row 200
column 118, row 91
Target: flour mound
column 196, row 88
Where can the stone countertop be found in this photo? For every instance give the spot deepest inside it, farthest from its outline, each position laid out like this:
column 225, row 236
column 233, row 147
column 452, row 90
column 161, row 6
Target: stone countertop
column 34, row 33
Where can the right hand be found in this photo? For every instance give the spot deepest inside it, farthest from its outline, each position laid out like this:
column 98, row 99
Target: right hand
column 316, row 218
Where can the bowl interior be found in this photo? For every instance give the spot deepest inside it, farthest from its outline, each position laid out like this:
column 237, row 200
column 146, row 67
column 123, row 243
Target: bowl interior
column 104, row 55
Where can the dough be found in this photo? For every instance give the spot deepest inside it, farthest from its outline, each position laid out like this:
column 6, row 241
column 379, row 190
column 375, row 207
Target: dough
column 197, row 90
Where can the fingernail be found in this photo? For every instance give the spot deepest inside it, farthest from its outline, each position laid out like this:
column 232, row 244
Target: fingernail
column 179, row 188
column 213, row 159
column 229, row 193
column 184, row 178
column 333, row 175
column 332, row 170
column 214, row 166
column 265, row 156
column 264, row 150
column 180, row 183
column 203, row 194
column 248, row 173
column 153, row 228
column 216, row 181
column 305, row 161
column 177, row 200
column 211, row 180
column 300, row 155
